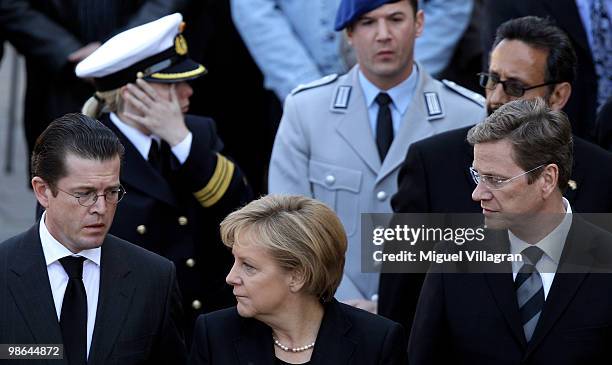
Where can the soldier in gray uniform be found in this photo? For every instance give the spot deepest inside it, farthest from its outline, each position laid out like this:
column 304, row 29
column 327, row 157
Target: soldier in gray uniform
column 342, row 138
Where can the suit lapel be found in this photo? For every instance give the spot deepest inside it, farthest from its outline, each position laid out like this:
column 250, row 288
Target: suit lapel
column 137, row 173
column 31, row 290
column 333, row 345
column 354, row 126
column 578, row 170
column 567, row 280
column 255, row 346
column 502, row 288
column 116, row 290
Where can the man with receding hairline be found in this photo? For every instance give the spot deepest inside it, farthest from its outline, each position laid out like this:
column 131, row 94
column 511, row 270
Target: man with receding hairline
column 553, row 306
column 66, row 281
column 531, row 58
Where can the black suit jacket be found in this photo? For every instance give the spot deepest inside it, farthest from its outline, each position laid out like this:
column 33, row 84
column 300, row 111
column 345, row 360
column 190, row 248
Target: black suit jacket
column 434, row 178
column 604, row 126
column 138, row 309
column 347, row 336
column 47, row 31
column 161, row 213
column 581, row 107
column 474, row 318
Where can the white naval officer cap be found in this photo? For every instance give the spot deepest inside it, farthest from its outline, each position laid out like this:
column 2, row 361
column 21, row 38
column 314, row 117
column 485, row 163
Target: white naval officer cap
column 155, row 51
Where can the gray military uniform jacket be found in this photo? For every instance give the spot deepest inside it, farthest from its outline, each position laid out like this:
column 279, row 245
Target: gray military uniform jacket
column 325, row 149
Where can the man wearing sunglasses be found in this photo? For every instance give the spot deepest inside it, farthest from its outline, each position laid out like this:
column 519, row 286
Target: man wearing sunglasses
column 530, row 58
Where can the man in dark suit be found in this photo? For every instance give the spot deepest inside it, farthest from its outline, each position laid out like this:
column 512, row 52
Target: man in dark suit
column 65, row 281
column 435, row 178
column 545, row 308
column 582, row 105
column 604, row 126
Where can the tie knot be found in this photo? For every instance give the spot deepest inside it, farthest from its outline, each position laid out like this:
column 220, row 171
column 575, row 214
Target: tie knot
column 533, row 254
column 73, row 266
column 154, row 149
column 383, row 99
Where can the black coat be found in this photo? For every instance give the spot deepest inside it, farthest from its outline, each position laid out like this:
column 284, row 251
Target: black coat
column 347, row 336
column 474, row 318
column 138, row 309
column 47, row 31
column 581, row 107
column 161, row 213
column 604, row 126
column 434, row 178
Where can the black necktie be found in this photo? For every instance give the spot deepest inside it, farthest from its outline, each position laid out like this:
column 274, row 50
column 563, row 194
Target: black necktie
column 530, row 290
column 155, row 155
column 73, row 320
column 384, row 125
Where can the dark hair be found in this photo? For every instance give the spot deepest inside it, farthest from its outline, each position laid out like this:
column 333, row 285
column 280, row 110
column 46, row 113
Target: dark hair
column 73, row 133
column 542, row 34
column 538, row 134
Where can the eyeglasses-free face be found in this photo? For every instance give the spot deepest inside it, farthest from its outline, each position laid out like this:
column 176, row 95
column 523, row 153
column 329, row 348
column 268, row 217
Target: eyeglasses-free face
column 495, row 182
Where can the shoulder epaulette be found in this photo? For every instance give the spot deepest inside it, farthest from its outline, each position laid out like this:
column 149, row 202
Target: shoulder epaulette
column 466, row 93
column 320, row 82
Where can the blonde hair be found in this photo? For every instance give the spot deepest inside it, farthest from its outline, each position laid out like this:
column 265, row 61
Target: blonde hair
column 300, row 233
column 103, row 102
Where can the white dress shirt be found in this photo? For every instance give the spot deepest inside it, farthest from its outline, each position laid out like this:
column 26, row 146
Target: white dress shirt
column 53, row 251
column 142, row 142
column 401, row 96
column 552, row 245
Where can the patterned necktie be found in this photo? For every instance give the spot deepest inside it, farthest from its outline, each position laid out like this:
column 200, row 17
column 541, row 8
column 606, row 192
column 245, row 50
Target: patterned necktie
column 602, row 49
column 384, row 125
column 73, row 319
column 529, row 290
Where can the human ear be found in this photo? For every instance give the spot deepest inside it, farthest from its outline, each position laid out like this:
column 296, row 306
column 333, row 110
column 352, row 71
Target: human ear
column 42, row 191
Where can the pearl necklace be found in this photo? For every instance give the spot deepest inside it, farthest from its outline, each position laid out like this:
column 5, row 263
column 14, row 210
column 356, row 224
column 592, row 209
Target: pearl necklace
column 292, row 349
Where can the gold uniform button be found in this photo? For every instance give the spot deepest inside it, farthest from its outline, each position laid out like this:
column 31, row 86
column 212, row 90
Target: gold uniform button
column 190, row 262
column 141, row 229
column 196, row 304
column 182, row 221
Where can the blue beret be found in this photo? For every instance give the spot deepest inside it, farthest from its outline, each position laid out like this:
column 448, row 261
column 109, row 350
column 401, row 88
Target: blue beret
column 351, row 10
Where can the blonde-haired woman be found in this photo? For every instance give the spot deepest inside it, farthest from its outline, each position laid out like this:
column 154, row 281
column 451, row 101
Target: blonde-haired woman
column 288, row 261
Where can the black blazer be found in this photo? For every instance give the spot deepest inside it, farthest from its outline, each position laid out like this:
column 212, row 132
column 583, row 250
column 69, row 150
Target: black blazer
column 434, row 178
column 604, row 125
column 138, row 303
column 474, row 318
column 347, row 336
column 161, row 213
column 581, row 107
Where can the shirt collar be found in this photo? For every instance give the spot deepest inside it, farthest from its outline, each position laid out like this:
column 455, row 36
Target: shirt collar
column 141, row 141
column 553, row 243
column 401, row 94
column 53, row 250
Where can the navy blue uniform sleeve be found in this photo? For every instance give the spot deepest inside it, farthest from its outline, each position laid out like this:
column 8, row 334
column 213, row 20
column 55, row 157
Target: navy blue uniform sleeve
column 215, row 180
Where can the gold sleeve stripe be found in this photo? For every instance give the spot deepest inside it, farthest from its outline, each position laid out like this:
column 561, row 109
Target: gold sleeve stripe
column 218, row 183
column 164, row 76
